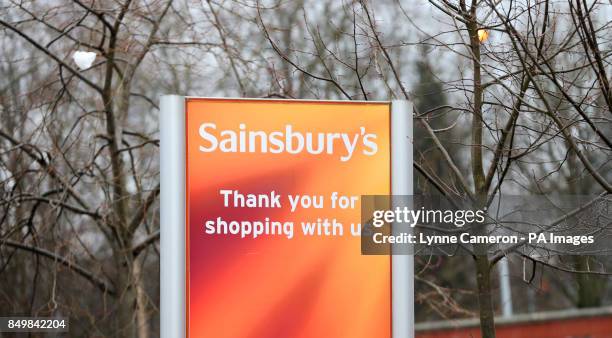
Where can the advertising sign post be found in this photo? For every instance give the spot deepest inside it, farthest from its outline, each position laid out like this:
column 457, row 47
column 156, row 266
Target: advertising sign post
column 260, row 233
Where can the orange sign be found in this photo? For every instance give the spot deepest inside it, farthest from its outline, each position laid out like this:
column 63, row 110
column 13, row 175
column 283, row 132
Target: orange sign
column 272, row 219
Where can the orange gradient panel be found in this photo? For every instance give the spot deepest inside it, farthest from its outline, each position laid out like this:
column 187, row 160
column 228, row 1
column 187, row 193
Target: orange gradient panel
column 273, row 286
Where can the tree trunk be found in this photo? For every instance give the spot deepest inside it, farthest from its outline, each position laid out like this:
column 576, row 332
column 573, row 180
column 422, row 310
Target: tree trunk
column 142, row 317
column 485, row 302
column 126, row 324
column 483, row 266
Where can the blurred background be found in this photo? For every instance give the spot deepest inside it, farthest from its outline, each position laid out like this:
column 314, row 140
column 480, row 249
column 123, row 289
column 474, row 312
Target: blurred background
column 510, row 97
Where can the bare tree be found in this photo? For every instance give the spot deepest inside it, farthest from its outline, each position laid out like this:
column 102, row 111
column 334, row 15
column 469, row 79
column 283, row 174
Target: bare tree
column 526, row 110
column 78, row 162
column 519, row 98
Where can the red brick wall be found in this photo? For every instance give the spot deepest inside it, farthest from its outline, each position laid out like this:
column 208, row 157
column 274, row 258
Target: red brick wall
column 593, row 327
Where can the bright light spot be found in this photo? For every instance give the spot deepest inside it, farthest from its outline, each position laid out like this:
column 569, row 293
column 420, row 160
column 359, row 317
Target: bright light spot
column 483, row 35
column 83, row 60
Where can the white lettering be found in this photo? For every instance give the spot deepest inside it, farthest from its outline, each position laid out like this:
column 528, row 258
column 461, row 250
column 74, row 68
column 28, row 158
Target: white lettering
column 288, row 140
